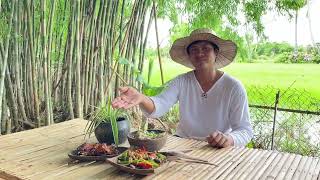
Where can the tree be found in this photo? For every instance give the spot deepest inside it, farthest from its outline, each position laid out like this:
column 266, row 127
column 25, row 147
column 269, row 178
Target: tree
column 56, row 57
column 223, row 16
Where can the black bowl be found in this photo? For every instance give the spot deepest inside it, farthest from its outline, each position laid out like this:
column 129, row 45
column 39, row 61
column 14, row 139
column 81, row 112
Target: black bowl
column 104, row 133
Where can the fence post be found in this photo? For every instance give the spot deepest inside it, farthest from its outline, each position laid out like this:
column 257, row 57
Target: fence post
column 274, row 118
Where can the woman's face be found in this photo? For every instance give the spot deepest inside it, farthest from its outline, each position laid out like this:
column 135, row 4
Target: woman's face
column 202, row 55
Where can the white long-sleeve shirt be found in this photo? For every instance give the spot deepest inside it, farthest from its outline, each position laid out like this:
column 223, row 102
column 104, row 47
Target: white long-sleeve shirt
column 224, row 107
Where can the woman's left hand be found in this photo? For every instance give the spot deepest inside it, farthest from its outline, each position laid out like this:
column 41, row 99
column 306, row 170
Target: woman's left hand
column 218, row 139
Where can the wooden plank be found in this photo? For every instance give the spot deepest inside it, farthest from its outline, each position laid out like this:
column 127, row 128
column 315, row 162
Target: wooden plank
column 55, row 172
column 316, row 172
column 299, row 169
column 286, row 167
column 28, row 162
column 263, row 163
column 6, row 176
column 24, row 154
column 170, row 172
column 293, row 167
column 187, row 169
column 277, row 168
column 312, row 168
column 252, row 165
column 305, row 169
column 101, row 170
column 36, row 137
column 53, row 159
column 233, row 157
column 180, row 143
column 118, row 175
column 234, row 167
column 235, row 170
column 48, row 129
column 215, row 157
column 264, row 171
column 48, row 160
column 23, row 165
column 157, row 176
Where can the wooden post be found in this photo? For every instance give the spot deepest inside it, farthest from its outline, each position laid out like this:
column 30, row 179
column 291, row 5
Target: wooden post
column 274, row 118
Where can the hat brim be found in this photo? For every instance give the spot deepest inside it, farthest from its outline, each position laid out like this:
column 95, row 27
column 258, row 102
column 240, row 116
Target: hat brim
column 226, row 54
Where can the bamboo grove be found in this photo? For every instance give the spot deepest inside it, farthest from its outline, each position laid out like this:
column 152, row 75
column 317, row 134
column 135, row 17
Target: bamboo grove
column 60, row 59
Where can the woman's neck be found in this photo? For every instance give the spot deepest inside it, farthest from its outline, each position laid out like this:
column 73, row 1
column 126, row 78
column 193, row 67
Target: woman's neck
column 207, row 78
column 206, row 75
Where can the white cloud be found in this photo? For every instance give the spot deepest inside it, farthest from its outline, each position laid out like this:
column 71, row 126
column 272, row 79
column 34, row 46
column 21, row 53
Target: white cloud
column 279, row 28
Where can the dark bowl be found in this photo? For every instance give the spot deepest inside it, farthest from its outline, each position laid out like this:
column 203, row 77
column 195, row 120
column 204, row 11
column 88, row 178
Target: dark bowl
column 73, row 155
column 150, row 144
column 104, row 132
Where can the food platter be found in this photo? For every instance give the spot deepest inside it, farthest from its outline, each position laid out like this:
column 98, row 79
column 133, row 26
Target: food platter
column 135, row 169
column 78, row 154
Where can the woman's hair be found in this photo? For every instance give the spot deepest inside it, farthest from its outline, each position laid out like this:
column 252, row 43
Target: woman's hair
column 215, row 47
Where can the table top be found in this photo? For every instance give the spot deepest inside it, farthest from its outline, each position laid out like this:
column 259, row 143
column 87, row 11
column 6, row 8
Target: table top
column 43, row 153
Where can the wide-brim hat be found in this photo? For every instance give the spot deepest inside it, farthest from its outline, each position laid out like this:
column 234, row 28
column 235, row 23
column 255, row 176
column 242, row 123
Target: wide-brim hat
column 226, row 54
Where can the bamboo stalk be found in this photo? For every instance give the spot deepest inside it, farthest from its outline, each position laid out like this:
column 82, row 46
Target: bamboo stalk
column 69, row 61
column 4, row 116
column 79, row 105
column 120, row 54
column 84, row 52
column 141, row 63
column 90, row 60
column 158, row 44
column 123, row 47
column 5, row 59
column 104, row 10
column 13, row 107
column 45, row 63
column 60, row 74
column 33, row 67
column 70, row 64
column 18, row 66
column 50, row 28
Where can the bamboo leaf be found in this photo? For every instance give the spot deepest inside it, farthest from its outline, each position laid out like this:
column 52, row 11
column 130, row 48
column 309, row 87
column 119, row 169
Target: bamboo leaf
column 125, row 61
column 115, row 129
column 141, row 79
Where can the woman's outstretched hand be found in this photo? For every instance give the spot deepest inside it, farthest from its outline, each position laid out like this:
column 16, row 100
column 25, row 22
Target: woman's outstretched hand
column 128, row 98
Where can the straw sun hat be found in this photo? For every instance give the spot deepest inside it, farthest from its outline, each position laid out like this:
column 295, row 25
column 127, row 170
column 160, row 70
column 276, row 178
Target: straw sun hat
column 226, row 54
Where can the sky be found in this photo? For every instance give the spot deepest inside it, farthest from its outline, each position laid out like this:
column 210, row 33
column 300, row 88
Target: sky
column 281, row 29
column 277, row 28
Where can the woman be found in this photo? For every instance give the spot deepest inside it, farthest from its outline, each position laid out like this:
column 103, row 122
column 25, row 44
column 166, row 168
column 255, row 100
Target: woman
column 212, row 104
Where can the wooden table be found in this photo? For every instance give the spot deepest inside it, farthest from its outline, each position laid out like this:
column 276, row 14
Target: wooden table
column 42, row 154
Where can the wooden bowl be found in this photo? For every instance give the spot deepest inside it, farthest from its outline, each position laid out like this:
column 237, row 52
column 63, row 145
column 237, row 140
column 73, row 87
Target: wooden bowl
column 114, row 161
column 150, row 144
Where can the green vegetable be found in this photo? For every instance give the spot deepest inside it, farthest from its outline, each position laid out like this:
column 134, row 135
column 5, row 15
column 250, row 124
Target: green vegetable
column 161, row 157
column 141, row 159
column 154, row 164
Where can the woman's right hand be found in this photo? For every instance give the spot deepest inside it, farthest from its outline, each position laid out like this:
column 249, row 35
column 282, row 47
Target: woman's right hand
column 128, row 98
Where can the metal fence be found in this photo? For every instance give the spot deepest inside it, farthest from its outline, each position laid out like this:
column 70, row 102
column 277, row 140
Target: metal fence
column 285, row 120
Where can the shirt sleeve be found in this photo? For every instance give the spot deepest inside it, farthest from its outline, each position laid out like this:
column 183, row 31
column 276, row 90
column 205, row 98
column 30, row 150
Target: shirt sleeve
column 241, row 129
column 165, row 100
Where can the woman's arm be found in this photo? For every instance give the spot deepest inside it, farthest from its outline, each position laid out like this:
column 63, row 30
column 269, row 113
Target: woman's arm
column 154, row 106
column 130, row 97
column 239, row 118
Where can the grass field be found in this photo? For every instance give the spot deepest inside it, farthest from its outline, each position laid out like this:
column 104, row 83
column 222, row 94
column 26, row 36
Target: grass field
column 302, row 76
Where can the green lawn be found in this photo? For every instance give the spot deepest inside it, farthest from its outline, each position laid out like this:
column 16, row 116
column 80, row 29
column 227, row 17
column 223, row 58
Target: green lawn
column 305, row 76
